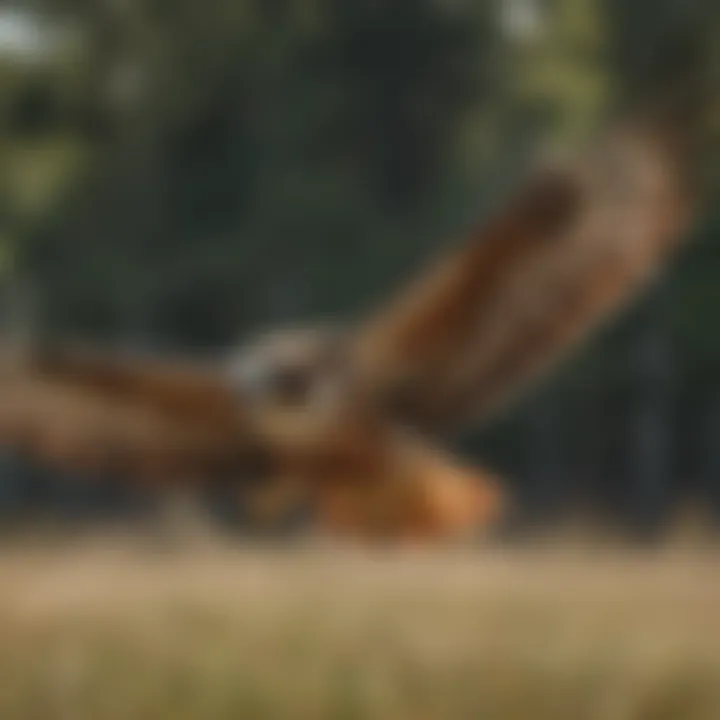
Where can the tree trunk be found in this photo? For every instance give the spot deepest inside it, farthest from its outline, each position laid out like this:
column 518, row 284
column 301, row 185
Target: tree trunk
column 652, row 447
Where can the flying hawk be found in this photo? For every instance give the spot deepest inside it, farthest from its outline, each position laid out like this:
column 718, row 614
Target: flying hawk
column 350, row 419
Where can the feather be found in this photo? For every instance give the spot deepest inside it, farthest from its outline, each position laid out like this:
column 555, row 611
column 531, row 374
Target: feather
column 561, row 257
column 86, row 411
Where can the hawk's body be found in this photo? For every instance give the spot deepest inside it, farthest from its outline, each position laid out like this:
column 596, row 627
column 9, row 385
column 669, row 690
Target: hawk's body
column 342, row 421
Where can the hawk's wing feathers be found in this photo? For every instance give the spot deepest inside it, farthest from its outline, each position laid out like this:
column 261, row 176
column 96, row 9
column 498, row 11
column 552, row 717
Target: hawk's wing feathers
column 563, row 255
column 83, row 410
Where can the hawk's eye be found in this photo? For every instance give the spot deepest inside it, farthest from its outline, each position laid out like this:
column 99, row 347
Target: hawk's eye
column 292, row 385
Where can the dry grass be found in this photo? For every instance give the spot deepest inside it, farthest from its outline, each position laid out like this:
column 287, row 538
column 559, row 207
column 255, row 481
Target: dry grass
column 115, row 632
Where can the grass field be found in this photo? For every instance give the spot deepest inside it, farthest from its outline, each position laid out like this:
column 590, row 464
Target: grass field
column 115, row 632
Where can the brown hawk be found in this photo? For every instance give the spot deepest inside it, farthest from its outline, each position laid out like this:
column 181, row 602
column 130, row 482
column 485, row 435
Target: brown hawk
column 345, row 418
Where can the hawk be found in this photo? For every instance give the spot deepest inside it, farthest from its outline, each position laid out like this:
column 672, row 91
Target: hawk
column 350, row 420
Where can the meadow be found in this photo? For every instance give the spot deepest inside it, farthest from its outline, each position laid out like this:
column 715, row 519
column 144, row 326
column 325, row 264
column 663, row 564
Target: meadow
column 111, row 630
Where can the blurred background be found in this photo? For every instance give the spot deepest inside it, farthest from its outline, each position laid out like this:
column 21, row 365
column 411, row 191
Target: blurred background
column 178, row 175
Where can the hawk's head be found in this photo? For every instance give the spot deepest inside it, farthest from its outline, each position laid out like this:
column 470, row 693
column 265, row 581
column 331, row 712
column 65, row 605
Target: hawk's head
column 300, row 384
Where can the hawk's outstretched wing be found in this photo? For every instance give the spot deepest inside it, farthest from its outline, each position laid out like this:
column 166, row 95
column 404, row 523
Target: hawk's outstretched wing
column 565, row 253
column 89, row 411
